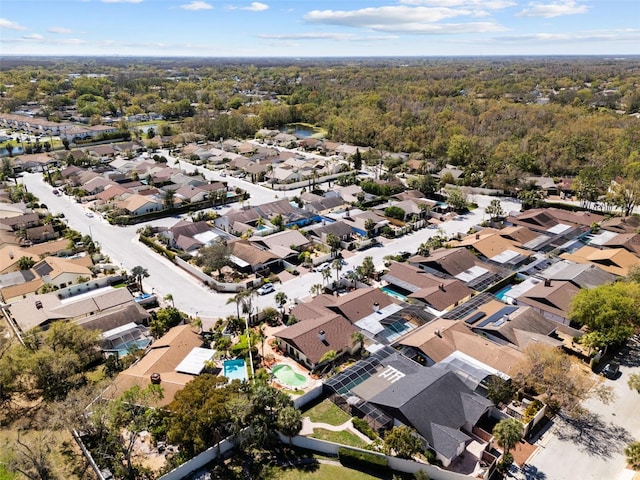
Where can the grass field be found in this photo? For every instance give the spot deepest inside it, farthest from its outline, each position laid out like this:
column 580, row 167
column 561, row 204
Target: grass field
column 343, row 437
column 327, row 412
column 322, row 472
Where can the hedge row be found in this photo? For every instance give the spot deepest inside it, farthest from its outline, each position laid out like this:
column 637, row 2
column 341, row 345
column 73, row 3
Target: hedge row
column 158, row 248
column 364, row 460
column 363, row 427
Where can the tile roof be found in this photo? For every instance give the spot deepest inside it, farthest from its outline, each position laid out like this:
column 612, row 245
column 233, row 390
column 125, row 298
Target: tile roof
column 550, row 296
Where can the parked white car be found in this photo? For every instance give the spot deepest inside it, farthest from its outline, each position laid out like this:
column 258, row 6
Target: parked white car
column 266, row 288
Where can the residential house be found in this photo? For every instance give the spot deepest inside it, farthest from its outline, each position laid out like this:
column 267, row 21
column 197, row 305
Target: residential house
column 555, row 220
column 629, row 224
column 59, row 272
column 437, row 293
column 163, row 364
column 19, row 220
column 551, row 298
column 324, row 205
column 41, row 234
column 285, row 244
column 495, row 248
column 249, row 258
column 436, row 403
column 103, row 309
column 439, row 339
column 358, row 221
column 546, row 184
column 582, row 275
column 340, row 229
column 10, row 255
column 628, row 241
column 617, row 261
column 463, row 265
column 137, row 204
column 310, row 339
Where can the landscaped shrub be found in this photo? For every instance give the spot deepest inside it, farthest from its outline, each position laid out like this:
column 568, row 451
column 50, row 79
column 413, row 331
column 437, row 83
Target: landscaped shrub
column 158, row 248
column 363, row 427
column 357, row 459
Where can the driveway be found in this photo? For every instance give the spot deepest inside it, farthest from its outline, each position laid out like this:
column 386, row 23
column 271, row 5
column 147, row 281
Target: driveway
column 592, row 448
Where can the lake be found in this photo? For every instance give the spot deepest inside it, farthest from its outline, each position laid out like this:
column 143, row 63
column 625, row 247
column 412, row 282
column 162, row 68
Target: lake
column 300, row 130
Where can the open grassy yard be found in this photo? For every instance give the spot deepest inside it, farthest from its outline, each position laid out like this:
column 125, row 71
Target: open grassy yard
column 344, row 437
column 322, row 472
column 327, row 412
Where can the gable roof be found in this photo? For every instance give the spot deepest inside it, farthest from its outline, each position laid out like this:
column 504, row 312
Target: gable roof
column 617, row 261
column 359, row 304
column 583, row 275
column 550, row 296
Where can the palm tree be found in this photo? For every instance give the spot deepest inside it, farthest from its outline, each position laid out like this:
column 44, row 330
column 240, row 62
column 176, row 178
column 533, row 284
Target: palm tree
column 326, row 274
column 328, row 358
column 357, row 338
column 508, row 432
column 315, row 289
column 197, row 323
column 138, row 273
column 169, row 298
column 237, row 299
column 337, row 265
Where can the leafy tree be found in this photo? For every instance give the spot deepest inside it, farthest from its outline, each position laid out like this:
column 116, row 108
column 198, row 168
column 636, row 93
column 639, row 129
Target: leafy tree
column 357, row 338
column 9, row 147
column 169, row 198
column 278, row 222
column 494, row 209
column 457, row 200
column 138, row 273
column 499, row 390
column 370, row 227
column 394, row 212
column 612, row 310
column 508, row 432
column 33, row 459
column 357, row 160
column 164, row 319
column 25, row 263
column 214, row 257
column 199, row 413
column 632, row 451
column 551, row 373
column 403, row 441
column 328, row 357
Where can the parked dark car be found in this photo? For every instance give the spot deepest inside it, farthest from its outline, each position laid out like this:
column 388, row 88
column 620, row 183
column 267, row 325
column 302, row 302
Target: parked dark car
column 611, row 370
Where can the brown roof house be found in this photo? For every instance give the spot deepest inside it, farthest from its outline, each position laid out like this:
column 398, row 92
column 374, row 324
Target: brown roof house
column 249, row 258
column 163, row 364
column 551, row 298
column 309, row 340
column 439, row 294
column 617, row 261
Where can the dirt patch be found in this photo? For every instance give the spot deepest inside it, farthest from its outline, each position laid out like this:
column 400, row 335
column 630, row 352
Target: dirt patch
column 522, row 451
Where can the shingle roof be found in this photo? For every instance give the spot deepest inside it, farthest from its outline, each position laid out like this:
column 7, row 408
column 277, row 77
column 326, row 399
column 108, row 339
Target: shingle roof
column 304, row 335
column 437, row 404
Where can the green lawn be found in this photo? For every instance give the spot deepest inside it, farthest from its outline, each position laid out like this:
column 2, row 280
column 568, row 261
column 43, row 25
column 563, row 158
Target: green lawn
column 327, row 412
column 343, row 437
column 4, row 475
column 322, row 472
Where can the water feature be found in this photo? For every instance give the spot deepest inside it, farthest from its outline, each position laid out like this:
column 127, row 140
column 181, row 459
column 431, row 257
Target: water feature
column 300, row 130
column 235, row 369
column 288, row 376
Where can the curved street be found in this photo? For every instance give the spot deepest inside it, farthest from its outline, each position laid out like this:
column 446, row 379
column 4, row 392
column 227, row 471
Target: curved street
column 190, row 295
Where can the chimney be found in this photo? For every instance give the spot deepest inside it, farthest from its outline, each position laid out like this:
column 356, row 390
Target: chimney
column 477, row 236
column 155, row 378
column 376, row 307
column 38, row 304
column 506, row 318
column 547, row 282
column 441, row 286
column 437, row 332
column 322, row 336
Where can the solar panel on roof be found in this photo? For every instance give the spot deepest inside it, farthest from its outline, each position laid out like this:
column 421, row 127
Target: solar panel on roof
column 474, row 318
column 498, row 315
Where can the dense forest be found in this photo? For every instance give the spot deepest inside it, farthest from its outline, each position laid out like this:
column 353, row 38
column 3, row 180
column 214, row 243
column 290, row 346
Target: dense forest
column 499, row 119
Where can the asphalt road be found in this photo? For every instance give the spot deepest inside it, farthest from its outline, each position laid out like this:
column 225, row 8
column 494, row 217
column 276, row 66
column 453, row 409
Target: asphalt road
column 592, row 449
column 122, row 246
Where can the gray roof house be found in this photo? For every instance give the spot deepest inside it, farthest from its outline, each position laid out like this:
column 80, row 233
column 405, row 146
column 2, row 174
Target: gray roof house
column 438, row 404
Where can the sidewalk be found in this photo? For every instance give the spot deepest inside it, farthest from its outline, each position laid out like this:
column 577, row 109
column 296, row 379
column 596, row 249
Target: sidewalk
column 308, row 426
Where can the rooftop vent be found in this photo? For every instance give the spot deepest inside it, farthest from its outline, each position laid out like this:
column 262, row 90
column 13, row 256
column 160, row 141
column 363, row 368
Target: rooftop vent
column 547, row 282
column 38, row 304
column 376, row 307
column 322, row 336
column 155, row 378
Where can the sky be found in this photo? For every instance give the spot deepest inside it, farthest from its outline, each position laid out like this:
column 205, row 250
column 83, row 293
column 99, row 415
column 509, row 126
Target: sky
column 308, row 28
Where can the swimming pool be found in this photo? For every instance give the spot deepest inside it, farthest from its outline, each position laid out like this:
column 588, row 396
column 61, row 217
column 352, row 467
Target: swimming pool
column 288, row 376
column 235, row 369
column 127, row 347
column 389, row 291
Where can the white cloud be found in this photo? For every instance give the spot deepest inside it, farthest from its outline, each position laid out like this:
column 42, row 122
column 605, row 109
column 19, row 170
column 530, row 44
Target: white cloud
column 8, row 24
column 414, row 20
column 196, row 5
column 555, row 9
column 626, row 35
column 254, row 7
column 121, row 1
column 33, row 36
column 486, row 4
column 60, row 30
